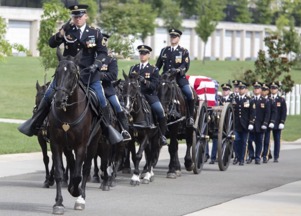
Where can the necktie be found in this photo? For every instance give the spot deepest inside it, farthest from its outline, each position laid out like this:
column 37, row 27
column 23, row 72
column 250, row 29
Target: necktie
column 80, row 33
column 141, row 66
column 172, row 49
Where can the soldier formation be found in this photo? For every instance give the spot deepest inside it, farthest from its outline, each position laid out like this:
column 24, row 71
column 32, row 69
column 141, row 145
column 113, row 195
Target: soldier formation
column 255, row 118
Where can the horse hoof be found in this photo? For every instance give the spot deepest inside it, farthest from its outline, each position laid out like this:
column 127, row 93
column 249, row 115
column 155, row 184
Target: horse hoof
column 46, row 184
column 152, row 179
column 134, row 183
column 64, row 184
column 95, row 179
column 58, row 210
column 104, row 187
column 178, row 173
column 113, row 184
column 190, row 168
column 171, row 175
column 145, row 181
column 79, row 206
column 51, row 182
column 126, row 171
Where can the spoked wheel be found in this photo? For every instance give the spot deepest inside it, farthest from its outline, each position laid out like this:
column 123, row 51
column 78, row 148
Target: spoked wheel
column 225, row 137
column 200, row 138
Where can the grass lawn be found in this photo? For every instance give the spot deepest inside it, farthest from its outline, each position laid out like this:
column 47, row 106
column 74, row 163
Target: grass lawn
column 20, row 74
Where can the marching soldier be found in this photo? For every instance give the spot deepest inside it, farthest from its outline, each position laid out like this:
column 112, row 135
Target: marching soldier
column 226, row 97
column 260, row 125
column 244, row 117
column 235, row 88
column 149, row 79
column 281, row 110
column 266, row 140
column 175, row 60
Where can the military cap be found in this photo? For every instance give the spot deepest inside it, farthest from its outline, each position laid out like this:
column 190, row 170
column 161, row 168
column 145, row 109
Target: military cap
column 242, row 84
column 106, row 36
column 144, row 49
column 235, row 82
column 78, row 10
column 226, row 86
column 175, row 32
column 265, row 87
column 257, row 84
column 274, row 85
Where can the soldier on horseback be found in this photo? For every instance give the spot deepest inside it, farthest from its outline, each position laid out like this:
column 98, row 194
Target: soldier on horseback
column 109, row 73
column 175, row 60
column 76, row 35
column 149, row 79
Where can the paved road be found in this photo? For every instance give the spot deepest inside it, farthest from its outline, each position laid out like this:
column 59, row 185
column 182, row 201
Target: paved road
column 266, row 189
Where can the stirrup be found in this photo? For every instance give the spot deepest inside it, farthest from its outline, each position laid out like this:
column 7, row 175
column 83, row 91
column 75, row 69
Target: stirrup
column 126, row 135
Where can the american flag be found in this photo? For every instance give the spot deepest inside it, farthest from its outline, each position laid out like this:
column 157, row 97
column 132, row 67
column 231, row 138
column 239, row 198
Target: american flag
column 205, row 87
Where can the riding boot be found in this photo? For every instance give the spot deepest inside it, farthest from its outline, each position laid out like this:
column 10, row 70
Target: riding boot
column 190, row 121
column 162, row 126
column 113, row 135
column 32, row 125
column 124, row 126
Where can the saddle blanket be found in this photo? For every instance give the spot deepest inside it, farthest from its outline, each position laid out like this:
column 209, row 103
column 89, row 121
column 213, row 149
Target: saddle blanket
column 206, row 88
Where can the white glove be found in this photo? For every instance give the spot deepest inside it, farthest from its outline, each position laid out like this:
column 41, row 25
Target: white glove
column 271, row 125
column 263, row 127
column 281, row 126
column 250, row 127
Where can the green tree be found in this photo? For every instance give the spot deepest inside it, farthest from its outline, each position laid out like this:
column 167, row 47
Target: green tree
column 275, row 67
column 5, row 47
column 291, row 40
column 54, row 12
column 125, row 20
column 188, row 7
column 210, row 13
column 171, row 14
column 263, row 12
column 243, row 13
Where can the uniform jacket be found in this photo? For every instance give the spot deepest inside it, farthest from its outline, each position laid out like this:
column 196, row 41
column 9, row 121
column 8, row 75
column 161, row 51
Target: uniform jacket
column 150, row 73
column 110, row 68
column 244, row 113
column 92, row 44
column 263, row 113
column 223, row 100
column 179, row 58
column 280, row 117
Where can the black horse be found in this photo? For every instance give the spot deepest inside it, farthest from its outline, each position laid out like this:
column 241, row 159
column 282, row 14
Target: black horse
column 142, row 129
column 174, row 105
column 72, row 128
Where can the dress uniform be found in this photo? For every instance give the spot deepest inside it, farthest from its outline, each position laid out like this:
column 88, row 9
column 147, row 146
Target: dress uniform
column 176, row 60
column 108, row 74
column 244, row 118
column 235, row 88
column 280, row 117
column 267, row 133
column 75, row 38
column 226, row 97
column 261, row 123
column 149, row 79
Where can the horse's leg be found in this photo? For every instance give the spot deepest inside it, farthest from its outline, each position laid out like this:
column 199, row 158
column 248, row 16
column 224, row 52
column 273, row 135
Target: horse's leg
column 135, row 180
column 43, row 145
column 95, row 177
column 148, row 172
column 189, row 165
column 76, row 178
column 56, row 150
column 173, row 152
column 104, row 174
column 130, row 149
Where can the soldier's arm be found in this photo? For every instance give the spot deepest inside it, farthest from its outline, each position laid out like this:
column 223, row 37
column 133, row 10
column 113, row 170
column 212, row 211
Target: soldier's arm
column 185, row 62
column 267, row 114
column 112, row 73
column 56, row 40
column 101, row 48
column 159, row 62
column 273, row 111
column 252, row 116
column 154, row 79
column 283, row 111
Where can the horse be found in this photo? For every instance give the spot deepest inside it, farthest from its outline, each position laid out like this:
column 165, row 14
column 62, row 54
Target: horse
column 42, row 139
column 72, row 128
column 174, row 105
column 142, row 130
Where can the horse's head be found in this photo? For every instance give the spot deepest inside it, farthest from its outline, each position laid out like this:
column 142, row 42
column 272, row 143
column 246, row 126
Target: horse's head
column 41, row 89
column 66, row 76
column 166, row 91
column 131, row 89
